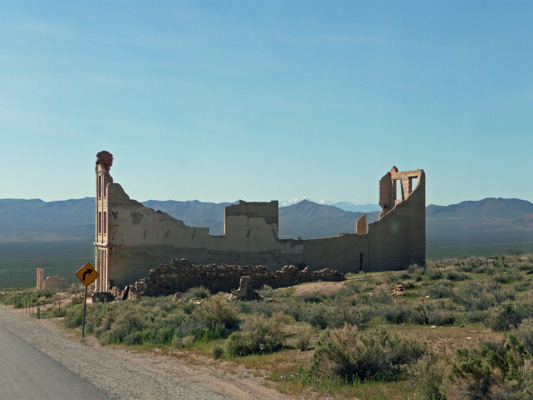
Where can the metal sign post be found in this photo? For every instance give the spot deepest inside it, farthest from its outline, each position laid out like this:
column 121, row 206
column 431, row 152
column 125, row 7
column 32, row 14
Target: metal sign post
column 87, row 275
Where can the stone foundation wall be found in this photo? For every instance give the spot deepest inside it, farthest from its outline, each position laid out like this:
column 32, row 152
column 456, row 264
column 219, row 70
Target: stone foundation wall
column 181, row 275
column 55, row 283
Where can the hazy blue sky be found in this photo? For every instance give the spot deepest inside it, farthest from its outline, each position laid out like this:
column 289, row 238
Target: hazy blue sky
column 261, row 100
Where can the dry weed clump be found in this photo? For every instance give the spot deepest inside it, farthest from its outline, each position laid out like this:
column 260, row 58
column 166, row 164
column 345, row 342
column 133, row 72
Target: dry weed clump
column 351, row 355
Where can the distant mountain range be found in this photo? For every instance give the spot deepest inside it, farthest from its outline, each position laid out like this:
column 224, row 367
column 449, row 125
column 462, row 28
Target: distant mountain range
column 507, row 223
column 343, row 205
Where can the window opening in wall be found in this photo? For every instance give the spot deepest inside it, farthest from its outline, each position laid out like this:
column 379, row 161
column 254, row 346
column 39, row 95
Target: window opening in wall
column 414, row 182
column 360, row 262
column 99, row 186
column 104, row 187
column 99, row 222
column 398, row 184
column 105, row 222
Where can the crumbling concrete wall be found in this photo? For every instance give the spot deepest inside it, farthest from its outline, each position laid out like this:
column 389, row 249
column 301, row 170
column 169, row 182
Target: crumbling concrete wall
column 131, row 239
column 181, row 275
column 140, row 238
column 398, row 239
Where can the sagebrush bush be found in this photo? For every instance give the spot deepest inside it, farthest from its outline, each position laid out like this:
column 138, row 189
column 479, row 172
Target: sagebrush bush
column 434, row 273
column 496, row 370
column 220, row 317
column 525, row 334
column 430, row 376
column 508, row 316
column 304, row 333
column 439, row 291
column 218, row 352
column 259, row 335
column 351, row 355
column 397, row 313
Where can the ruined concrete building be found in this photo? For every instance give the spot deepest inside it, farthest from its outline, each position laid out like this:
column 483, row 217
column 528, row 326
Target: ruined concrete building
column 131, row 239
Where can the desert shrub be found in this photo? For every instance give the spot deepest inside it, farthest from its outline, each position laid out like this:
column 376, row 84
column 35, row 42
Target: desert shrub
column 455, row 276
column 345, row 312
column 409, row 285
column 438, row 291
column 474, row 296
column 351, row 355
column 126, row 328
column 508, row 315
column 356, row 286
column 291, row 306
column 414, row 268
column 467, row 267
column 397, row 313
column 434, row 273
column 196, row 293
column 432, row 313
column 503, row 294
column 314, row 298
column 73, row 317
column 525, row 334
column 476, row 316
column 430, row 376
column 218, row 352
column 506, row 277
column 304, row 333
column 522, row 286
column 441, row 318
column 381, row 296
column 259, row 335
column 219, row 316
column 496, row 370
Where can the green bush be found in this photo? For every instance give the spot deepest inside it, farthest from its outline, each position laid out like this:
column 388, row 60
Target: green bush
column 525, row 334
column 259, row 335
column 424, row 313
column 455, row 276
column 304, row 333
column 430, row 377
column 218, row 352
column 74, row 317
column 439, row 291
column 350, row 355
column 217, row 318
column 509, row 315
column 497, row 370
column 397, row 313
column 434, row 273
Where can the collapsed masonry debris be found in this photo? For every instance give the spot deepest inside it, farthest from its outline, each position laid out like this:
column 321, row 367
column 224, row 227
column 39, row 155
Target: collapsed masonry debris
column 245, row 291
column 181, row 275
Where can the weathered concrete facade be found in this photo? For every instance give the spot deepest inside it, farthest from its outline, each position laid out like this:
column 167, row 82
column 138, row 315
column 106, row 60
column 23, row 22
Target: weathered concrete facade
column 131, row 239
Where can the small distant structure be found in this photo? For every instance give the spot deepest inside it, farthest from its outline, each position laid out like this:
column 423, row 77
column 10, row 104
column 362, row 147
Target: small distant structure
column 51, row 282
column 40, row 279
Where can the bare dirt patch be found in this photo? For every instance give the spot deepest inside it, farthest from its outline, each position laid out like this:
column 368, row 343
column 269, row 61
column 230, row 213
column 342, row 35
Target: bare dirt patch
column 316, row 288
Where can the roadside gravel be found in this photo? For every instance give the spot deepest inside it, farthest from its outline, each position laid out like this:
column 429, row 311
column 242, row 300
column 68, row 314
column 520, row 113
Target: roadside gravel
column 123, row 374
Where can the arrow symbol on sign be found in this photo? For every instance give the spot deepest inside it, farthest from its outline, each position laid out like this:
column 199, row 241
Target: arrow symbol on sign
column 88, row 272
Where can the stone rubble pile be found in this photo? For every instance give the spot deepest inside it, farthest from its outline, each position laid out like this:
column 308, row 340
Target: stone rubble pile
column 181, row 275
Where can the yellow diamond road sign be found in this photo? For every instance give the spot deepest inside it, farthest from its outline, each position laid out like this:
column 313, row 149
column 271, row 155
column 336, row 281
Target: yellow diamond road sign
column 87, row 274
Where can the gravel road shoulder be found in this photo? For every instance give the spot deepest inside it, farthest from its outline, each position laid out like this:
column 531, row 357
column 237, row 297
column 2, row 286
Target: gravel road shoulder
column 125, row 374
